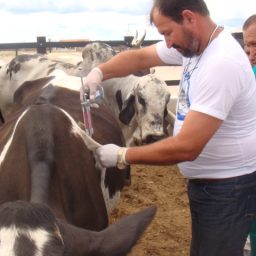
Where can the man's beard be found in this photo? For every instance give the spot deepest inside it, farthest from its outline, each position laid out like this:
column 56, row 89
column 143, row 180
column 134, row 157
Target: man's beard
column 192, row 45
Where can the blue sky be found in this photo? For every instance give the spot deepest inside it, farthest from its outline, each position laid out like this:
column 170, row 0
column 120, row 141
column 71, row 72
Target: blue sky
column 24, row 20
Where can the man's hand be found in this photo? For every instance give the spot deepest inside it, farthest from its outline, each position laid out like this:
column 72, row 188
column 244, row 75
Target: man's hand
column 92, row 81
column 111, row 155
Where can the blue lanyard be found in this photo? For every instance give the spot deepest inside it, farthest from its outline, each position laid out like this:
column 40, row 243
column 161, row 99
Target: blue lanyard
column 186, row 78
column 254, row 70
column 184, row 101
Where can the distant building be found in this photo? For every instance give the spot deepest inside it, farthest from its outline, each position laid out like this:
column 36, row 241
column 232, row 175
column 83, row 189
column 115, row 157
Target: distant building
column 74, row 40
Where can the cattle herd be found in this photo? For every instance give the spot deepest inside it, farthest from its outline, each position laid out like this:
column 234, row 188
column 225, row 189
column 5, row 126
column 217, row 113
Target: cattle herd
column 55, row 198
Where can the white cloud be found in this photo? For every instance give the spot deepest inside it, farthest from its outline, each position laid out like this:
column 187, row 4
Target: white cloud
column 231, row 13
column 105, row 20
column 24, row 20
column 133, row 7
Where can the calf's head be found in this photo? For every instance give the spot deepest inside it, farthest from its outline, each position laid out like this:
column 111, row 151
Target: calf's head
column 31, row 229
column 145, row 108
column 94, row 54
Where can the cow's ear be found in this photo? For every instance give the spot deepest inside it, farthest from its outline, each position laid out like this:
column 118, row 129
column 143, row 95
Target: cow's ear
column 25, row 89
column 127, row 113
column 110, row 241
column 21, row 92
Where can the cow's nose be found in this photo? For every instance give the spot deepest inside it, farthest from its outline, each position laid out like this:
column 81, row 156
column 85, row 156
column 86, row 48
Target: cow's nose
column 153, row 138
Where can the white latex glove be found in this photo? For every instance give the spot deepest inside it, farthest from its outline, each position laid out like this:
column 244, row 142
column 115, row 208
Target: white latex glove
column 92, row 81
column 111, row 155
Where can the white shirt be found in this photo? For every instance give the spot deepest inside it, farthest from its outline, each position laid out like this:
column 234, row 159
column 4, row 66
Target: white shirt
column 222, row 85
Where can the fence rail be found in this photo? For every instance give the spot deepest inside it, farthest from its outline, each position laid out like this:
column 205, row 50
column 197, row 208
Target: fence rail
column 14, row 46
column 41, row 44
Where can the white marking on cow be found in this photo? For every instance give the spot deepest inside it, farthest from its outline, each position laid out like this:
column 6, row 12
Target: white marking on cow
column 109, row 202
column 8, row 237
column 9, row 142
column 92, row 145
column 61, row 79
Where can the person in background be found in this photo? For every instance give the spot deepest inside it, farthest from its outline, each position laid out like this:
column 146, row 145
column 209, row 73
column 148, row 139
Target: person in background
column 249, row 37
column 215, row 129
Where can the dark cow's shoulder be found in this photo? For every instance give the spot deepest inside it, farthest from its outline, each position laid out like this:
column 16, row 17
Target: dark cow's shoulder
column 47, row 162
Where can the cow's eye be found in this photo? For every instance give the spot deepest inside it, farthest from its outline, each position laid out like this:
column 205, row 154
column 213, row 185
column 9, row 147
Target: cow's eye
column 142, row 101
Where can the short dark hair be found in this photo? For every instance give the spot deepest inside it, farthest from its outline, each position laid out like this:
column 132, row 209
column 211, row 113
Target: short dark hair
column 174, row 8
column 251, row 20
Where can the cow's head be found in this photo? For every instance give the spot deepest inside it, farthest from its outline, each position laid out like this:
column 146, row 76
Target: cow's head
column 32, row 229
column 94, row 54
column 146, row 108
column 26, row 229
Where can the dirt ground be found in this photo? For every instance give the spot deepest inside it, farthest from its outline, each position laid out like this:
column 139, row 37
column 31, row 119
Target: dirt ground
column 169, row 233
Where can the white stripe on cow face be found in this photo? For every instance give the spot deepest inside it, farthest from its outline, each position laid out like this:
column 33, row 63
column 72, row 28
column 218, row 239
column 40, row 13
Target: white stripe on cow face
column 92, row 145
column 9, row 142
column 9, row 236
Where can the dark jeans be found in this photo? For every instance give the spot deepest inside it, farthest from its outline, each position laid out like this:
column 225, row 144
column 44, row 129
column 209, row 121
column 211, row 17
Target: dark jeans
column 221, row 215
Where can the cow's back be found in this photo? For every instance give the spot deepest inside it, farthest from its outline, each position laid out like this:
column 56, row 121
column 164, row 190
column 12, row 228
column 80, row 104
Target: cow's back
column 45, row 156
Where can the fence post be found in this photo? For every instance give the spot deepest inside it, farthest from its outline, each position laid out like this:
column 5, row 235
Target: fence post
column 128, row 40
column 41, row 44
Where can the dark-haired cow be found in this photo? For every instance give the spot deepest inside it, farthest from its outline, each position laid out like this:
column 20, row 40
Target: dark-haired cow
column 52, row 191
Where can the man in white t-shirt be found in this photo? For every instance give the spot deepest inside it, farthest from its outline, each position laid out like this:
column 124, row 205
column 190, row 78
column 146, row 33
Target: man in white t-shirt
column 215, row 130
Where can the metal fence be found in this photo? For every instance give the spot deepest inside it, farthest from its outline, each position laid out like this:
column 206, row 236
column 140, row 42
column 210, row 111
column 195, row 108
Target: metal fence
column 42, row 44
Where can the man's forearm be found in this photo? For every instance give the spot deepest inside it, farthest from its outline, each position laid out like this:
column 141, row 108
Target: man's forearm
column 123, row 64
column 167, row 151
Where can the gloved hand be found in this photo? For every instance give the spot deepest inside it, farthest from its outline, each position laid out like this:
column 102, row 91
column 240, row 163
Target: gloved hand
column 92, row 81
column 111, row 155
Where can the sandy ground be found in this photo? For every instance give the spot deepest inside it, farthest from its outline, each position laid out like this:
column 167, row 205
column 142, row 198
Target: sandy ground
column 169, row 233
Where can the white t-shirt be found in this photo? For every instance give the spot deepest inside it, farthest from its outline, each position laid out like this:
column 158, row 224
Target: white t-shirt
column 219, row 83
